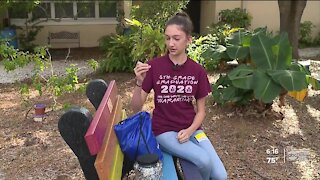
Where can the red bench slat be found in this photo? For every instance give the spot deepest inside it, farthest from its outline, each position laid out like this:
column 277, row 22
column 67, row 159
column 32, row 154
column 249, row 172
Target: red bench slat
column 98, row 127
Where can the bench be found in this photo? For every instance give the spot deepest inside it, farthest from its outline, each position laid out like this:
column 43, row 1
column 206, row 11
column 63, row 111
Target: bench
column 64, row 39
column 95, row 144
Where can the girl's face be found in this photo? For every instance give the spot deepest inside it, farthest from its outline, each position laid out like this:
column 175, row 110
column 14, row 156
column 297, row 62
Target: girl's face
column 176, row 40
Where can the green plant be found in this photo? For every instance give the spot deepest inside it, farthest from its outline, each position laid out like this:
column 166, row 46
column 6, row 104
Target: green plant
column 41, row 58
column 118, row 53
column 237, row 18
column 305, row 38
column 149, row 42
column 123, row 51
column 93, row 64
column 156, row 13
column 27, row 36
column 269, row 73
column 199, row 48
column 222, row 32
column 215, row 55
column 316, row 40
column 238, row 44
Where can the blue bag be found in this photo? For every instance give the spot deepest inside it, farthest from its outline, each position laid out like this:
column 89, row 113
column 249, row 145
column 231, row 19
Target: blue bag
column 135, row 136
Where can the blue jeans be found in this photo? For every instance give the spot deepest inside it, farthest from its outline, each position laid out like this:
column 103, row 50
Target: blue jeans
column 200, row 152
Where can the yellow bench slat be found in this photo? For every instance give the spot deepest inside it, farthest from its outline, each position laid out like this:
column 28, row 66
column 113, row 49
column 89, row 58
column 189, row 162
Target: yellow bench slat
column 118, row 160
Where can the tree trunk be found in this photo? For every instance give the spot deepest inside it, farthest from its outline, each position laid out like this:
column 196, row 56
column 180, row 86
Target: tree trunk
column 290, row 17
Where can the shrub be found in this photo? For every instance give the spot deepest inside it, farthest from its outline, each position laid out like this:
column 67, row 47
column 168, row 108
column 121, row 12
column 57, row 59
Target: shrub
column 316, row 40
column 269, row 73
column 305, row 39
column 222, row 32
column 149, row 42
column 156, row 13
column 56, row 85
column 235, row 18
column 198, row 51
column 123, row 51
column 118, row 56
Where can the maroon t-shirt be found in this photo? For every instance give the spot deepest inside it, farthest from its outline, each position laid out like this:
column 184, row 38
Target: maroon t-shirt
column 174, row 89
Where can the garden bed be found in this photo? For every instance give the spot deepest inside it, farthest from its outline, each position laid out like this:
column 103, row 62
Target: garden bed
column 245, row 140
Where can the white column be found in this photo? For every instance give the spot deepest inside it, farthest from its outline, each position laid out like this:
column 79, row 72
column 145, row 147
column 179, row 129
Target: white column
column 127, row 8
column 52, row 9
column 96, row 9
column 75, row 10
column 244, row 4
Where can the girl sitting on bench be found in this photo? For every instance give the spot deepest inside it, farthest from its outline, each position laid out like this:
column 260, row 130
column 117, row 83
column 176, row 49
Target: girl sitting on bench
column 177, row 82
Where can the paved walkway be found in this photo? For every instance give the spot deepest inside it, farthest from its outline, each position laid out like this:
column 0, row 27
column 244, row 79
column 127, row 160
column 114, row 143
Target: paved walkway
column 308, row 53
column 26, row 72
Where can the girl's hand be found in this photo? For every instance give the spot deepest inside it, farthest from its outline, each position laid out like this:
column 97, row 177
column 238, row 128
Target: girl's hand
column 140, row 71
column 184, row 135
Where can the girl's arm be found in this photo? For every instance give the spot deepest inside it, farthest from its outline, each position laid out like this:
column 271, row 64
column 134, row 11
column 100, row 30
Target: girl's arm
column 138, row 98
column 185, row 134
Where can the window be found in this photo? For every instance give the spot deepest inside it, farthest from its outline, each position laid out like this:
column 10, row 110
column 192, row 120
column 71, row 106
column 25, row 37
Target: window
column 43, row 10
column 63, row 10
column 86, row 10
column 18, row 10
column 21, row 10
column 107, row 9
column 69, row 12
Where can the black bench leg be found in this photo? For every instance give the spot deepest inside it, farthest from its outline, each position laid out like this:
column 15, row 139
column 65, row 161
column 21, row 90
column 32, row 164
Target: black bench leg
column 72, row 126
column 95, row 91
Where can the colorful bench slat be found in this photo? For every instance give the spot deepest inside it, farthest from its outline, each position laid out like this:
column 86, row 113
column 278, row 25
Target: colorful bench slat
column 101, row 140
column 118, row 157
column 105, row 160
column 117, row 165
column 98, row 127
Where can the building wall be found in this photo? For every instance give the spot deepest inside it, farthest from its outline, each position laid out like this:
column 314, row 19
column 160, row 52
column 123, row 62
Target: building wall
column 312, row 13
column 264, row 13
column 89, row 34
column 91, row 30
column 207, row 15
column 210, row 12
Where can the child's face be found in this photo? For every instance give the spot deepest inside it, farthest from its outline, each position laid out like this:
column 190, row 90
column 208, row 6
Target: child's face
column 176, row 40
